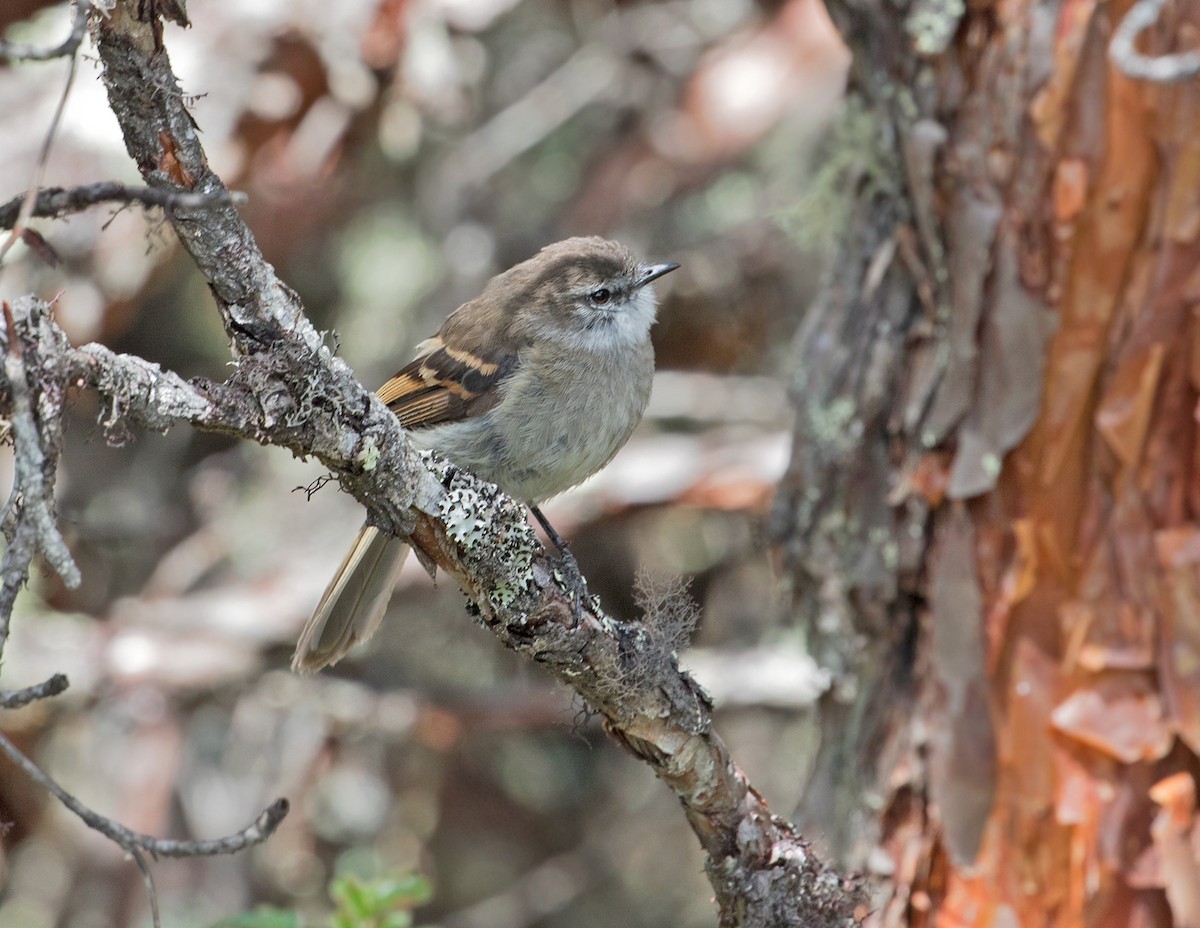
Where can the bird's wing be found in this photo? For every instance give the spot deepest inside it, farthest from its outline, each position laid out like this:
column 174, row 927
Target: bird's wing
column 456, row 375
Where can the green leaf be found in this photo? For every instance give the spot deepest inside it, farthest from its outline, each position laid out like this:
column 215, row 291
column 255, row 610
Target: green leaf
column 407, row 891
column 352, row 897
column 383, row 902
column 262, row 917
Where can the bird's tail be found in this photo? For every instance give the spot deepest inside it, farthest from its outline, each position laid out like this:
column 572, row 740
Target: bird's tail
column 353, row 603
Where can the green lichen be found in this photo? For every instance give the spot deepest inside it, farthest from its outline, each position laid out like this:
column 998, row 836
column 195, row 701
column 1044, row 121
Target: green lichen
column 854, row 163
column 368, row 457
column 932, row 24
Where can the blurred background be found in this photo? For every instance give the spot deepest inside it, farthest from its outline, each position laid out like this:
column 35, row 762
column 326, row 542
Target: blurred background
column 396, row 154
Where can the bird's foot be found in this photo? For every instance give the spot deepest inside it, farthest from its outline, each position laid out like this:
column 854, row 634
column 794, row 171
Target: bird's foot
column 572, row 577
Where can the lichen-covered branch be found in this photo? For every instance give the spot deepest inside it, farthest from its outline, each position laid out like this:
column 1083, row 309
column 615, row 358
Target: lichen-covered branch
column 289, row 397
column 289, row 390
column 28, row 520
column 53, row 202
column 761, row 869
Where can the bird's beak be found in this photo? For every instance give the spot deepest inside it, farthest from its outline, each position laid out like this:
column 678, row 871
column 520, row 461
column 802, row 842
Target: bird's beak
column 651, row 272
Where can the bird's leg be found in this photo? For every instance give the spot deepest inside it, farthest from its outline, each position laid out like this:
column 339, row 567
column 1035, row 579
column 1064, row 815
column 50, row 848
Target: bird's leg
column 566, row 560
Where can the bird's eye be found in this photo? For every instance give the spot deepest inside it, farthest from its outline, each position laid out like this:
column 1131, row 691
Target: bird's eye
column 600, row 297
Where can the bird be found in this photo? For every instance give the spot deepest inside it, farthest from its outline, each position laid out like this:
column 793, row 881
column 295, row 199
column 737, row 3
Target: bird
column 534, row 386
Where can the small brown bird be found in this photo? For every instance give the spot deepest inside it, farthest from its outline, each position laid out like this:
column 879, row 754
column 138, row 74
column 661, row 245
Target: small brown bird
column 533, row 385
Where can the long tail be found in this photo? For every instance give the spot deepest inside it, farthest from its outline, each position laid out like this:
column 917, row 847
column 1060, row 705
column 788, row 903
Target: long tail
column 354, row 601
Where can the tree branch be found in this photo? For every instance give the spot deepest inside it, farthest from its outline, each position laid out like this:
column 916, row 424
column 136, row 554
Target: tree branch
column 53, row 202
column 289, row 390
column 13, row 51
column 15, row 699
column 483, row 539
column 132, row 841
column 36, row 445
column 18, row 231
column 29, row 514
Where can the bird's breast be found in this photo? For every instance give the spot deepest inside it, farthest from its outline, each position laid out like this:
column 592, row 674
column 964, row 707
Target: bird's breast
column 561, row 417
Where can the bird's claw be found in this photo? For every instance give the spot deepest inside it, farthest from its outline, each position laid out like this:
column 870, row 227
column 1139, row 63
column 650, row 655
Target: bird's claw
column 574, row 582
column 572, row 576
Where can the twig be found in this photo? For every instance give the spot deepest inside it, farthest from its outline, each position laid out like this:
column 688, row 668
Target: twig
column 13, row 51
column 30, row 462
column 255, row 833
column 266, row 401
column 30, row 507
column 14, row 571
column 15, row 699
column 138, row 844
column 139, row 858
column 18, row 227
column 53, row 202
column 1162, row 69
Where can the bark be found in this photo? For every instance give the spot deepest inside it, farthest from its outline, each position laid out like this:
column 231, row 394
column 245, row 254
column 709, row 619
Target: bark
column 990, row 518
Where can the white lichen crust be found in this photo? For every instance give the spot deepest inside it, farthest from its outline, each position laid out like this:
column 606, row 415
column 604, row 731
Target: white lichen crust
column 489, row 527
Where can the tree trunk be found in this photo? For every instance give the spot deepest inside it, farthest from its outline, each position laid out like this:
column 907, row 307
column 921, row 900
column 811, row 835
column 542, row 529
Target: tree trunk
column 991, row 515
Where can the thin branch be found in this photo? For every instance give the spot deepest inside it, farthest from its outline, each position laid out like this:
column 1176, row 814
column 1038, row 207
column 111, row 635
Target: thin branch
column 143, row 865
column 13, row 51
column 52, row 202
column 255, row 833
column 1161, row 69
column 31, row 505
column 132, row 841
column 15, row 699
column 138, row 845
column 18, row 227
column 32, row 464
column 14, row 571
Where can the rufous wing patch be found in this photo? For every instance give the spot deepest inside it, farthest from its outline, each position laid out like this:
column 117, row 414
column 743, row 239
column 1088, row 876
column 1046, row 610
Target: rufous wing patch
column 444, row 383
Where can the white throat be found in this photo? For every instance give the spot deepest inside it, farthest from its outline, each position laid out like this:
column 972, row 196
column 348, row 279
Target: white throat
column 622, row 327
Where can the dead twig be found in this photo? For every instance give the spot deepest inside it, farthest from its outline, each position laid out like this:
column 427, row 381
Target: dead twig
column 138, row 845
column 18, row 228
column 31, row 507
column 53, row 202
column 15, row 699
column 255, row 833
column 14, row 51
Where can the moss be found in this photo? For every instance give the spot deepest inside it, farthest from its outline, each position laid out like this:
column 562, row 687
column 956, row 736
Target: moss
column 854, row 163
